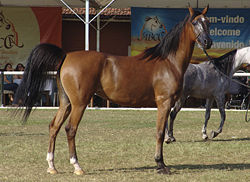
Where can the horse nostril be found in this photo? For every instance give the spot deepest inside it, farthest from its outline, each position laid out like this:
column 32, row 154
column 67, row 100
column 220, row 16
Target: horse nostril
column 205, row 41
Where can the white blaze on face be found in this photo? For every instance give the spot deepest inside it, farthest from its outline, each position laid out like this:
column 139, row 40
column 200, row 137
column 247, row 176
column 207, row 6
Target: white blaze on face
column 198, row 29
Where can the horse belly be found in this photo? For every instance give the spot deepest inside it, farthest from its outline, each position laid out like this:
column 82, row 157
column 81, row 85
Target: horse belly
column 133, row 93
column 204, row 90
column 128, row 97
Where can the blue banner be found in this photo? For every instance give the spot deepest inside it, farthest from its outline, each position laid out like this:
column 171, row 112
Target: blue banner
column 230, row 28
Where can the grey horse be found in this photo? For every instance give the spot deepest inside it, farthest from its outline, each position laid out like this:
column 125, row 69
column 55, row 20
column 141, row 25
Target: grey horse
column 205, row 81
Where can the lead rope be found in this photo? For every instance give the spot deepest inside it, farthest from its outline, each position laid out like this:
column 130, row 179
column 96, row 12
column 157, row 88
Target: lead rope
column 247, row 120
column 211, row 59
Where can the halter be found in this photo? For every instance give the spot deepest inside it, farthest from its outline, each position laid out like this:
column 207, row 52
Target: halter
column 199, row 31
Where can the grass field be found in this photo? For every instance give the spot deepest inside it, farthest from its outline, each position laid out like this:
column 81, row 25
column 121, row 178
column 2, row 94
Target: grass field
column 117, row 146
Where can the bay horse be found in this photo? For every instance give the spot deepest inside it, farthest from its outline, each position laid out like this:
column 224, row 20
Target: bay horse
column 153, row 78
column 207, row 80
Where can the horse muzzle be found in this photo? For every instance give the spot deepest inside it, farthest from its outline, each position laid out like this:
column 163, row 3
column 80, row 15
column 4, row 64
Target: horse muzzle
column 208, row 43
column 204, row 42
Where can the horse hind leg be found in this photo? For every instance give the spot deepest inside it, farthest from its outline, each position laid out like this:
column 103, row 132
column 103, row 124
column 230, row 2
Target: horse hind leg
column 54, row 127
column 169, row 135
column 209, row 103
column 71, row 129
column 78, row 106
column 220, row 104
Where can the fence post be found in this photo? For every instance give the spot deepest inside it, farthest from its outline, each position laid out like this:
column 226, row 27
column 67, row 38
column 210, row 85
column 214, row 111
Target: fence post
column 2, row 82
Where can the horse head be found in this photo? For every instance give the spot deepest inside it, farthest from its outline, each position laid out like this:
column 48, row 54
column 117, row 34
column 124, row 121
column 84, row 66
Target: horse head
column 152, row 24
column 200, row 27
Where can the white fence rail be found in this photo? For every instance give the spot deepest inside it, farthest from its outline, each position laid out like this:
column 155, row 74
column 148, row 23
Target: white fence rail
column 54, row 73
column 21, row 72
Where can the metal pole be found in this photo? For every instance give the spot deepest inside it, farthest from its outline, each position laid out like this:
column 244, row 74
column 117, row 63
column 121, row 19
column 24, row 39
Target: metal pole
column 98, row 44
column 87, row 35
column 98, row 34
column 87, row 25
column 2, row 80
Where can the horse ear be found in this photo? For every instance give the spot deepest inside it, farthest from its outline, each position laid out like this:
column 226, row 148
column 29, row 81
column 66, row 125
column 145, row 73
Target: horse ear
column 205, row 10
column 147, row 18
column 191, row 11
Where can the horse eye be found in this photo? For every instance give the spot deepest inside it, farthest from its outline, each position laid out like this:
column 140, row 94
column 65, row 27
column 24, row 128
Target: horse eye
column 194, row 22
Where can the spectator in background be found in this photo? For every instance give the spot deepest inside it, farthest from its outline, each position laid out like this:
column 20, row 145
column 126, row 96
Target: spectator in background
column 8, row 80
column 18, row 78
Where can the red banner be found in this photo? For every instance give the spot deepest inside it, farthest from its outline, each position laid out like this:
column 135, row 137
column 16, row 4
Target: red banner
column 21, row 29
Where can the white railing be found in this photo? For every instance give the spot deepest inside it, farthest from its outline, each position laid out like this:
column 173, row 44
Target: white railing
column 21, row 72
column 54, row 73
column 241, row 74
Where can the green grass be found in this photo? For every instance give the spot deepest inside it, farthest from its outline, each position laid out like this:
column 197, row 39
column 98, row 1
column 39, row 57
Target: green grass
column 120, row 145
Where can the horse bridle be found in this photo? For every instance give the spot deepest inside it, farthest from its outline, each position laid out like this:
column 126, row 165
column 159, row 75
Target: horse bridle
column 198, row 33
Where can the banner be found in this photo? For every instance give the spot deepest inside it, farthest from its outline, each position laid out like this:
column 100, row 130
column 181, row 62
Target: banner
column 21, row 29
column 230, row 29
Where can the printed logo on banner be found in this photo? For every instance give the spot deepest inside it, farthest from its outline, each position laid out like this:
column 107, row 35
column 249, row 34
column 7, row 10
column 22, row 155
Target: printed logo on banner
column 152, row 29
column 8, row 35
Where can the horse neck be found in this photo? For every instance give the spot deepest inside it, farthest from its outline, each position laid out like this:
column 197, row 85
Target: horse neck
column 242, row 56
column 185, row 51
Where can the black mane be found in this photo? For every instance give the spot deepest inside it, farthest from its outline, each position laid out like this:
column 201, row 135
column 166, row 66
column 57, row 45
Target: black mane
column 170, row 43
column 224, row 63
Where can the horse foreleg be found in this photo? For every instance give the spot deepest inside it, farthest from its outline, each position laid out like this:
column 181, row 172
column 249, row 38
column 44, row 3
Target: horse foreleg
column 162, row 116
column 54, row 128
column 71, row 129
column 220, row 104
column 209, row 103
column 169, row 135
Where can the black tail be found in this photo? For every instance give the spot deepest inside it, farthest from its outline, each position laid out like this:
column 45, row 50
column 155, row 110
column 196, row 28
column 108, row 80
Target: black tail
column 43, row 58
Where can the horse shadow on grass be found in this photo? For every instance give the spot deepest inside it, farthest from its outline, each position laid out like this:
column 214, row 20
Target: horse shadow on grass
column 175, row 168
column 193, row 167
column 21, row 134
column 219, row 140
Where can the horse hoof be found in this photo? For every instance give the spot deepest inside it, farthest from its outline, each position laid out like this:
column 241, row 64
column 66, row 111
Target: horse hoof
column 164, row 170
column 169, row 140
column 214, row 134
column 52, row 171
column 79, row 172
column 173, row 139
column 205, row 137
